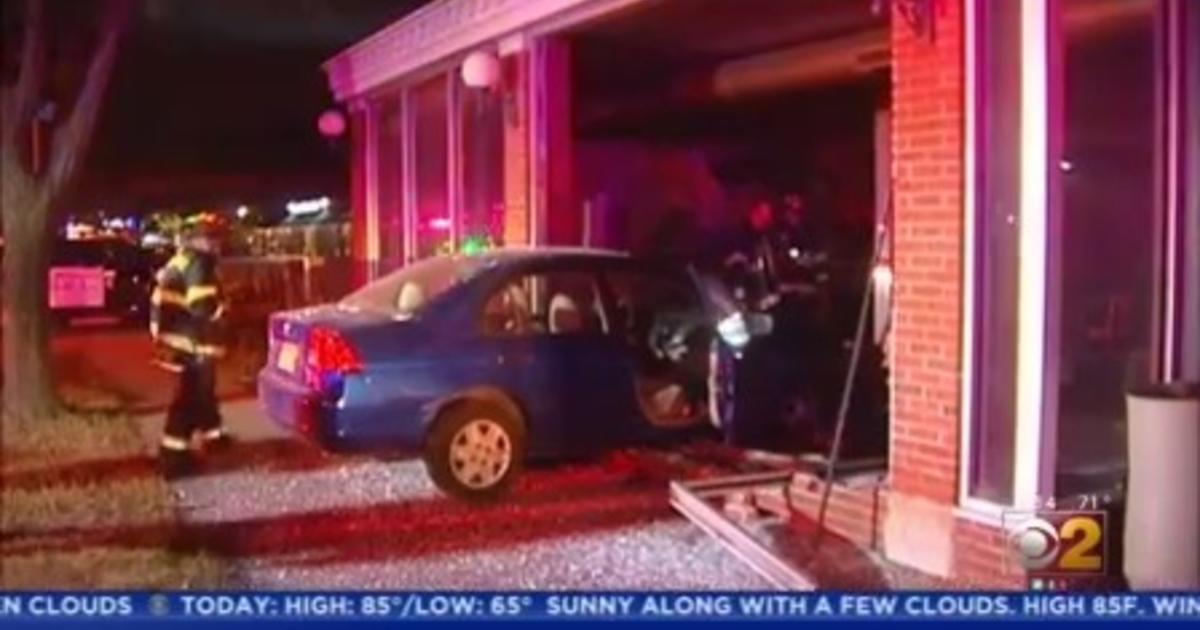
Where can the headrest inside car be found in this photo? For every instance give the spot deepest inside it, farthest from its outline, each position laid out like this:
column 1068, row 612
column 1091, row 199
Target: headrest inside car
column 564, row 315
column 410, row 298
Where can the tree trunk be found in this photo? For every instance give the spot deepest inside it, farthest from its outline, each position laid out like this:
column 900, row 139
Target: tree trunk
column 25, row 203
column 28, row 382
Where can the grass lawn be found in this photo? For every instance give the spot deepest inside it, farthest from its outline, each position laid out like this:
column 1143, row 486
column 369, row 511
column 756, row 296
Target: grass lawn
column 81, row 507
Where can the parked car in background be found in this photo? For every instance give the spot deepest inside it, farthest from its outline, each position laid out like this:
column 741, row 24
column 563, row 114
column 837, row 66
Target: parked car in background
column 100, row 280
column 483, row 362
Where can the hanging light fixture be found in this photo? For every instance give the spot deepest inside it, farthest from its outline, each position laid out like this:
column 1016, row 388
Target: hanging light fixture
column 481, row 69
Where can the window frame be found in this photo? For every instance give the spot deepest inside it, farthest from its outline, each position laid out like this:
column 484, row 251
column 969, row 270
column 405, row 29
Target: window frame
column 1040, row 213
column 974, row 160
column 1181, row 322
column 697, row 301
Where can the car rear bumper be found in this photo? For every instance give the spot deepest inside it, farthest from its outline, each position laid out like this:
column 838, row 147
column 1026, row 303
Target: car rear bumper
column 334, row 427
column 359, row 423
column 298, row 409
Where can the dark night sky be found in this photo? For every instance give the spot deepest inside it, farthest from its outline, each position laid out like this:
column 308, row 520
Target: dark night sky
column 229, row 85
column 215, row 86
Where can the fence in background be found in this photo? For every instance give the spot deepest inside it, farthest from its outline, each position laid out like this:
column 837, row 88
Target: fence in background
column 255, row 287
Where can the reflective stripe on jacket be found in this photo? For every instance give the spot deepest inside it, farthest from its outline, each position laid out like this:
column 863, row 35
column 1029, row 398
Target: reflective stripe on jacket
column 186, row 305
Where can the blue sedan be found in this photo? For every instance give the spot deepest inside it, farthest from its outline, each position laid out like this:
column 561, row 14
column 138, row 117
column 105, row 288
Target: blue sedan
column 483, row 362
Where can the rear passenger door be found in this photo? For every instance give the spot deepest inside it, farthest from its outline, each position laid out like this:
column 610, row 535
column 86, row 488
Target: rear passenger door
column 551, row 326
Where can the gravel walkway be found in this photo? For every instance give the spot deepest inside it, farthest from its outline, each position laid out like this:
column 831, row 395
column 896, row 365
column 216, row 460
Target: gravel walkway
column 291, row 518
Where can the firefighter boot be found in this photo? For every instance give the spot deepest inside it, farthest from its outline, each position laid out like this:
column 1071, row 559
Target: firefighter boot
column 175, row 463
column 214, row 441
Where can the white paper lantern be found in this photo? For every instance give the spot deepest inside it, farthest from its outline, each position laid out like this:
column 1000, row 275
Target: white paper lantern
column 481, row 70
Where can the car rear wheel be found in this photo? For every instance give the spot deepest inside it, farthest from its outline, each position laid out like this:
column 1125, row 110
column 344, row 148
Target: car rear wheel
column 475, row 451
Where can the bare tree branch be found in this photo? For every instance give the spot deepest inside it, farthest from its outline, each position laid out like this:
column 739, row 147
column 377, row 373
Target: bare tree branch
column 21, row 101
column 72, row 139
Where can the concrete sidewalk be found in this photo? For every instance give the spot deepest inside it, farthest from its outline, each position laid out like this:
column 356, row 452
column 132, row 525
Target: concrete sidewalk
column 242, row 418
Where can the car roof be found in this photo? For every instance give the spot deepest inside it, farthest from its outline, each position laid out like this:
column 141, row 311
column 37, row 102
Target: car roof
column 521, row 256
column 519, row 253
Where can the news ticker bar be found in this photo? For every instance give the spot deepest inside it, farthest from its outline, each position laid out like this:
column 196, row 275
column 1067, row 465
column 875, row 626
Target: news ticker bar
column 585, row 605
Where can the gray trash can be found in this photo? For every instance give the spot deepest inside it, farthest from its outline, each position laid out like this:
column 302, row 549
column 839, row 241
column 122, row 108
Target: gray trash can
column 1162, row 519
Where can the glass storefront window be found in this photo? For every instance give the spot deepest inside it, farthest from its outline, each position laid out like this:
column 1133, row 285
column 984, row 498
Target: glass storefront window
column 997, row 81
column 389, row 170
column 482, row 210
column 430, row 128
column 1109, row 229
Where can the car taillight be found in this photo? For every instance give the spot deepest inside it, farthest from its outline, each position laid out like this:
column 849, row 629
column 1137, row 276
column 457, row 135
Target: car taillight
column 329, row 351
column 329, row 357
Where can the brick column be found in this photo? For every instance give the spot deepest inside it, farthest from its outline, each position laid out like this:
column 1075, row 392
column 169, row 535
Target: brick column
column 539, row 148
column 927, row 163
column 516, row 149
column 564, row 217
column 358, row 194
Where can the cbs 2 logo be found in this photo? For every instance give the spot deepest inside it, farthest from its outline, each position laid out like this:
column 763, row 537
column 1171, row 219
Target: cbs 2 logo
column 1067, row 542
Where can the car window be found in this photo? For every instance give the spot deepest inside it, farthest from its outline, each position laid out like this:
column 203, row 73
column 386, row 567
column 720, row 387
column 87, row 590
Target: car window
column 642, row 297
column 653, row 291
column 549, row 303
column 404, row 293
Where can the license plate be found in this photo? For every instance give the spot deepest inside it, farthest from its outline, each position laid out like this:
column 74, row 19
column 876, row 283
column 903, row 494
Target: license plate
column 289, row 356
column 77, row 287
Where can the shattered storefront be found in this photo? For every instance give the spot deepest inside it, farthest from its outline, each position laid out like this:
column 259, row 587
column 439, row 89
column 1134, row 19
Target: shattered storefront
column 1034, row 163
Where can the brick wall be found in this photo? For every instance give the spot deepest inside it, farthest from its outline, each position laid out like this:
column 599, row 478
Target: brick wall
column 563, row 217
column 856, row 511
column 927, row 97
column 980, row 557
column 927, row 171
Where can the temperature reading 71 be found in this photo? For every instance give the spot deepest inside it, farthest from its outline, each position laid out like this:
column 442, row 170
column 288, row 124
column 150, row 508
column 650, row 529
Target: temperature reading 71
column 510, row 604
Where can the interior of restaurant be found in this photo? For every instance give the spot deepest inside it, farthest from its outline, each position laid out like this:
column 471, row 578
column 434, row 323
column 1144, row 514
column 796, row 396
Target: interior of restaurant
column 686, row 116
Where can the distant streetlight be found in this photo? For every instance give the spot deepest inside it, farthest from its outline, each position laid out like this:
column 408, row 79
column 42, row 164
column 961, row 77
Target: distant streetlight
column 243, row 212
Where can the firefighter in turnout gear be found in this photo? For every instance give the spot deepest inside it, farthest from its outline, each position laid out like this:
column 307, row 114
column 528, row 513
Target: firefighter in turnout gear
column 186, row 313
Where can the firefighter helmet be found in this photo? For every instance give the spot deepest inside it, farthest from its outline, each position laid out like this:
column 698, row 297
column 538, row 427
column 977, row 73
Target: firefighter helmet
column 205, row 228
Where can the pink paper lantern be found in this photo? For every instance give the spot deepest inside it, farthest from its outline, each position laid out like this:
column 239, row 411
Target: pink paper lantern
column 331, row 123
